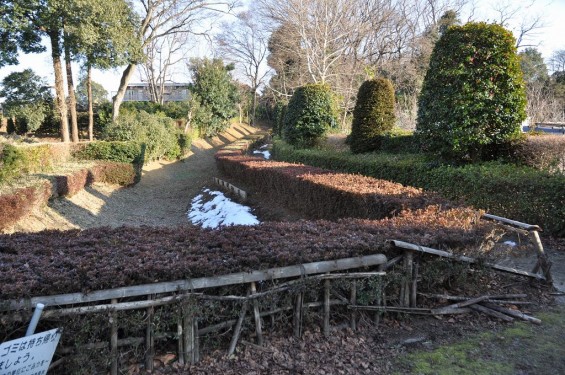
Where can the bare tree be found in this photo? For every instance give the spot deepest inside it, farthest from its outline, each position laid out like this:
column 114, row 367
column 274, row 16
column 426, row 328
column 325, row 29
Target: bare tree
column 520, row 19
column 162, row 55
column 160, row 18
column 244, row 44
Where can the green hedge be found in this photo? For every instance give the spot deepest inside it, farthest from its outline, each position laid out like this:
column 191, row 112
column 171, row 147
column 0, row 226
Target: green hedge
column 519, row 193
column 11, row 162
column 123, row 152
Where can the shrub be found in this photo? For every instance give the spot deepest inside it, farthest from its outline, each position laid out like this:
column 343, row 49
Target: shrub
column 546, row 152
column 11, row 162
column 473, row 94
column 373, row 115
column 124, row 152
column 279, row 112
column 159, row 133
column 398, row 141
column 29, row 117
column 309, row 115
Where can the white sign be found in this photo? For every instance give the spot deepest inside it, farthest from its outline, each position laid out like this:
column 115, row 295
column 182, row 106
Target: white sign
column 30, row 355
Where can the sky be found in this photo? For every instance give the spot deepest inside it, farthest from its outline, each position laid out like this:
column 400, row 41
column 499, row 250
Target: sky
column 548, row 40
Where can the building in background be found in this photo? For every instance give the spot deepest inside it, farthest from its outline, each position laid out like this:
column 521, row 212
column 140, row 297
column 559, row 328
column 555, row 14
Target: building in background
column 140, row 92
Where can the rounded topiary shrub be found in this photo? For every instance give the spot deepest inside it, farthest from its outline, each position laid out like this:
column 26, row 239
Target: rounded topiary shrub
column 373, row 115
column 473, row 96
column 310, row 113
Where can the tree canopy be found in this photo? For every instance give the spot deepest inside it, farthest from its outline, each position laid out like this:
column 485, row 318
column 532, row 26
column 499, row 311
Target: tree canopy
column 23, row 88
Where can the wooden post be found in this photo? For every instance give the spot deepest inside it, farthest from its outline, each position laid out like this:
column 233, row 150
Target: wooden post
column 149, row 338
column 188, row 334
column 326, row 307
column 297, row 318
column 407, row 282
column 353, row 301
column 257, row 316
column 180, row 340
column 543, row 262
column 380, row 297
column 196, row 349
column 114, row 340
column 414, row 285
column 237, row 330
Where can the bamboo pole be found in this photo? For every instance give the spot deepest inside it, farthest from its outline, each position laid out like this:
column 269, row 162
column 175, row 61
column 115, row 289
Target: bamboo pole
column 326, row 307
column 114, row 340
column 196, row 349
column 257, row 316
column 188, row 334
column 513, row 313
column 491, row 312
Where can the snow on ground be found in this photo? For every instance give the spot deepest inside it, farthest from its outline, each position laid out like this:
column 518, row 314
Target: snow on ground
column 510, row 243
column 212, row 209
column 266, row 154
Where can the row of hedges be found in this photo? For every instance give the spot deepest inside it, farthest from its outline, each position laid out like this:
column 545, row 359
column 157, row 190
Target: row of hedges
column 21, row 202
column 519, row 193
column 18, row 160
column 54, row 262
column 322, row 194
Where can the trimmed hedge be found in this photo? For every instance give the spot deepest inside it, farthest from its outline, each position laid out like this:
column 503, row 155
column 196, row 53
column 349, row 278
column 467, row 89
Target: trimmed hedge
column 473, row 95
column 123, row 152
column 519, row 193
column 309, row 114
column 373, row 115
column 53, row 262
column 545, row 152
column 22, row 202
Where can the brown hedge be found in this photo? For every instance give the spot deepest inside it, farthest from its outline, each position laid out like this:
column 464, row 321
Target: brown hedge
column 53, row 262
column 21, row 203
column 323, row 194
column 543, row 152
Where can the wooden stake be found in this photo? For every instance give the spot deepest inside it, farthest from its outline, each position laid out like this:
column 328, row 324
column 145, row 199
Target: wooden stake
column 114, row 340
column 237, row 330
column 149, row 338
column 407, row 282
column 458, row 305
column 180, row 341
column 196, row 349
column 297, row 318
column 543, row 262
column 414, row 285
column 353, row 301
column 188, row 334
column 257, row 316
column 326, row 307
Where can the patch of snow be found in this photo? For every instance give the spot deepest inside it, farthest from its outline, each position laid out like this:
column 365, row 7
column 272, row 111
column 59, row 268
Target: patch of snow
column 510, row 243
column 219, row 211
column 266, row 154
column 264, row 146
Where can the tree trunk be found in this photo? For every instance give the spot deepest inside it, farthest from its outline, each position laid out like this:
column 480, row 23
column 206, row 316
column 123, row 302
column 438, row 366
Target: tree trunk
column 72, row 97
column 59, row 84
column 90, row 104
column 254, row 106
column 119, row 97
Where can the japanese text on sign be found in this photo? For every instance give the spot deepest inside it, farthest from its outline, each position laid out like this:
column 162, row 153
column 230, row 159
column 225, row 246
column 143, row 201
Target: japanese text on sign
column 30, row 355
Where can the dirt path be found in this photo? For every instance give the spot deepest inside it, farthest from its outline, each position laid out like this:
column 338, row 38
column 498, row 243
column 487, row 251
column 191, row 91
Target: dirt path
column 160, row 199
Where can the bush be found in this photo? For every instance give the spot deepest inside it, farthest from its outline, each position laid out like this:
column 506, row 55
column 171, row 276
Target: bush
column 11, row 162
column 519, row 193
column 545, row 152
column 124, row 152
column 398, row 141
column 279, row 112
column 159, row 133
column 373, row 115
column 309, row 115
column 473, row 95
